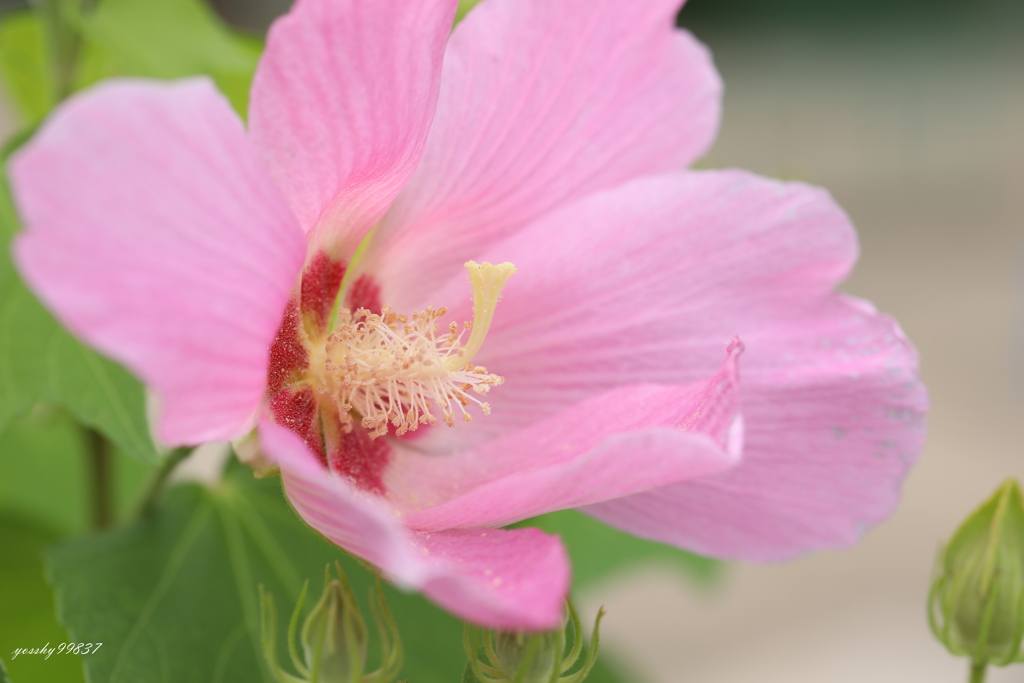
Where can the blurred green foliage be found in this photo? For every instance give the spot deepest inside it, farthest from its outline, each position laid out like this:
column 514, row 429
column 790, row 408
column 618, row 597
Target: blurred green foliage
column 151, row 38
column 23, row 64
column 598, row 551
column 168, row 39
column 43, row 465
column 24, row 593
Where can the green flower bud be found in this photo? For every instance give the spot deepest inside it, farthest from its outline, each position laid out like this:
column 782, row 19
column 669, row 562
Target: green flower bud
column 513, row 657
column 976, row 604
column 536, row 657
column 334, row 637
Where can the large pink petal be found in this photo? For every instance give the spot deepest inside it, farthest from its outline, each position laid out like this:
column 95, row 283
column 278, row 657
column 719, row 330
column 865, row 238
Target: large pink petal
column 641, row 284
column 155, row 234
column 342, row 102
column 624, row 441
column 544, row 102
column 834, row 412
column 512, row 580
column 646, row 283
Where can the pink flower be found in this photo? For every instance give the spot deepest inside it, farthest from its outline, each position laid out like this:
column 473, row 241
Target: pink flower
column 549, row 134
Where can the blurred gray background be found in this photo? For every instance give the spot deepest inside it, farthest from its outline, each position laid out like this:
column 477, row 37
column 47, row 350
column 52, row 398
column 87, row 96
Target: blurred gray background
column 911, row 112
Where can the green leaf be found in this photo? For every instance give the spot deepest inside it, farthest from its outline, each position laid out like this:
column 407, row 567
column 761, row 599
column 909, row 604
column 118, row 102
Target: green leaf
column 168, row 39
column 23, row 62
column 3, row 673
column 40, row 361
column 26, row 603
column 598, row 550
column 174, row 596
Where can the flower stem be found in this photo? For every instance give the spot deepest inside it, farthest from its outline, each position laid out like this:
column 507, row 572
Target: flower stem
column 159, row 481
column 978, row 670
column 101, row 466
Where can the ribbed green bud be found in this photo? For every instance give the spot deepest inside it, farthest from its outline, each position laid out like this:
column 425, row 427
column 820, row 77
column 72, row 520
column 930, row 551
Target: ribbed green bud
column 536, row 657
column 511, row 657
column 333, row 637
column 976, row 604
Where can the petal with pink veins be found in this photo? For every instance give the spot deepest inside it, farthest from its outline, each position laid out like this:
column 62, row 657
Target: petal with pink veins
column 341, row 104
column 176, row 258
column 642, row 282
column 614, row 444
column 514, row 580
column 543, row 103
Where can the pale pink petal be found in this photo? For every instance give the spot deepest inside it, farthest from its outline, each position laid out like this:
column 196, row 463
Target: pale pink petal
column 542, row 103
column 176, row 257
column 835, row 418
column 643, row 282
column 503, row 579
column 514, row 580
column 647, row 283
column 342, row 101
column 628, row 440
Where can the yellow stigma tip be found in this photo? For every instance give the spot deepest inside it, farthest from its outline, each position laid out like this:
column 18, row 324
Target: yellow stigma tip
column 486, row 280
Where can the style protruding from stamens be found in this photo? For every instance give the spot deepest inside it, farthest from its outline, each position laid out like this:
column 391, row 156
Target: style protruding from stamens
column 487, row 281
column 391, row 369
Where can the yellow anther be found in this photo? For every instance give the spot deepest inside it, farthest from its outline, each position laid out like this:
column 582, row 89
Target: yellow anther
column 390, row 369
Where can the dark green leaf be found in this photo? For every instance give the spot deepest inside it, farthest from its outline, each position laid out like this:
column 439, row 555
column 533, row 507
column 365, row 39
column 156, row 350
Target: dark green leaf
column 23, row 64
column 598, row 550
column 26, row 604
column 168, row 39
column 40, row 361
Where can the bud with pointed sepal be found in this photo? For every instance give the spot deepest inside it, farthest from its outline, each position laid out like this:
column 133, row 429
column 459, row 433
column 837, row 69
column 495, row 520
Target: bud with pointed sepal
column 516, row 657
column 334, row 636
column 976, row 603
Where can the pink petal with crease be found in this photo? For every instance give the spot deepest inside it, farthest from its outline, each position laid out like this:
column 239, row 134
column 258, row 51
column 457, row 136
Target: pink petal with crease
column 513, row 580
column 614, row 444
column 176, row 258
column 543, row 103
column 342, row 101
column 642, row 282
column 835, row 419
